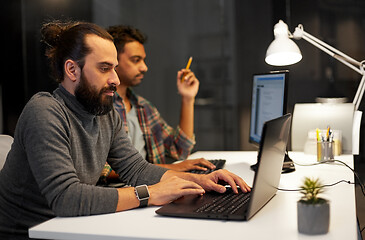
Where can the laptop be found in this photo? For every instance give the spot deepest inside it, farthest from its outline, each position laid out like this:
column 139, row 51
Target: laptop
column 245, row 205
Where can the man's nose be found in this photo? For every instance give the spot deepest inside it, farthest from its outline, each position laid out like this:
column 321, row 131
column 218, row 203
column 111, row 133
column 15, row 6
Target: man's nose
column 114, row 79
column 144, row 67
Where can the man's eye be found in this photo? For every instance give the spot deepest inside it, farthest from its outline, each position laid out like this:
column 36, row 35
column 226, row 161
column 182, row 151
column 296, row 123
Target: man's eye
column 136, row 60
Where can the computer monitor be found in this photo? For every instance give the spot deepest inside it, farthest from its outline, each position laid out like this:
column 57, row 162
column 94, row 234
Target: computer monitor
column 269, row 100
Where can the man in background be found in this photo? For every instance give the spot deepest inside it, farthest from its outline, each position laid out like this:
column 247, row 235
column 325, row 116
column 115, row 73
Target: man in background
column 153, row 137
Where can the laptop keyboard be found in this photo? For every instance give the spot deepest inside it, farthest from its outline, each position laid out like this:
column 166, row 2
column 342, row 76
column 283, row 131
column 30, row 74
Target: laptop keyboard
column 227, row 203
column 219, row 164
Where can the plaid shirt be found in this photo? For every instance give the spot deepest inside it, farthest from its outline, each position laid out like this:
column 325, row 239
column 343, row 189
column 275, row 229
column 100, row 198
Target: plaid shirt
column 161, row 139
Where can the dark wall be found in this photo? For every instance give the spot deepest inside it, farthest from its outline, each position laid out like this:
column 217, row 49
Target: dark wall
column 254, row 21
column 228, row 40
column 25, row 60
column 12, row 81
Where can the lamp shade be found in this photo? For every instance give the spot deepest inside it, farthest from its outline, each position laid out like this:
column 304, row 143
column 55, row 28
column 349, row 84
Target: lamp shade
column 282, row 51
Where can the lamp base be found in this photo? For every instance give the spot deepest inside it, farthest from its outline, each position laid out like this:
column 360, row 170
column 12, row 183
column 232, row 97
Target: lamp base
column 331, row 100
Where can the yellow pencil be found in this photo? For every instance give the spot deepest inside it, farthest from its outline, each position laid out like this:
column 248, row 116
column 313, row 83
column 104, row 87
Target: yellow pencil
column 189, row 63
column 187, row 68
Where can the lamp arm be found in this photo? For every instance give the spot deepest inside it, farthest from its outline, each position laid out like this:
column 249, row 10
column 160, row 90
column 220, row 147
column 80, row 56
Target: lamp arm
column 359, row 93
column 348, row 61
column 333, row 52
column 355, row 65
column 340, row 56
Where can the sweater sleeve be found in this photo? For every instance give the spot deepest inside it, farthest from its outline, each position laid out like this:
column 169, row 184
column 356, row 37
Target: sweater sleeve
column 44, row 135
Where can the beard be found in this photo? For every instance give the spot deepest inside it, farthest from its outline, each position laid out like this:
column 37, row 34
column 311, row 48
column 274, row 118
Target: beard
column 94, row 101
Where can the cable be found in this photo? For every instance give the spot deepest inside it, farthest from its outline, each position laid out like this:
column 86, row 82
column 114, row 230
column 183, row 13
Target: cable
column 326, row 185
column 356, row 175
column 362, row 187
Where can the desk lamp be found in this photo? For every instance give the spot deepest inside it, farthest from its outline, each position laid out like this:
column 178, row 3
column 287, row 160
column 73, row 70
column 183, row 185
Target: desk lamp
column 283, row 51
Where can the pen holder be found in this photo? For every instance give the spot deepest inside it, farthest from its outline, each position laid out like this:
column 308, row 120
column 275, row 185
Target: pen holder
column 324, row 151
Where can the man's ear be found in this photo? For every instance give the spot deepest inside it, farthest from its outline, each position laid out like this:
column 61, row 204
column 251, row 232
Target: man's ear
column 72, row 70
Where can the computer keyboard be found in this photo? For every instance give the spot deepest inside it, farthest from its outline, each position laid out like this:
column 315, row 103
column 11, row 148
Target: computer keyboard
column 226, row 203
column 219, row 164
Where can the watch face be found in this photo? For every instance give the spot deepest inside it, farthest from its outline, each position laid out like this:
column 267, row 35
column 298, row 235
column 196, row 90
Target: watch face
column 142, row 192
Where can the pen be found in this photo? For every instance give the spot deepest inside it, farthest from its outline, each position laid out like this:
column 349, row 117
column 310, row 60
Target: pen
column 318, row 137
column 328, row 134
column 331, row 136
column 187, row 67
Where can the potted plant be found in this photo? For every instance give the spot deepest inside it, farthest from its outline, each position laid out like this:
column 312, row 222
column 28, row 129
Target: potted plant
column 313, row 211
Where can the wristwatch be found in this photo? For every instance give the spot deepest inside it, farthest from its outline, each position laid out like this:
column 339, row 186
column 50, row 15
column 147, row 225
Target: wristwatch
column 142, row 195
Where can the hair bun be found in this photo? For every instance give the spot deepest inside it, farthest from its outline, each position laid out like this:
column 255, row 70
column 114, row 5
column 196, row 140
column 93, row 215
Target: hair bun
column 52, row 31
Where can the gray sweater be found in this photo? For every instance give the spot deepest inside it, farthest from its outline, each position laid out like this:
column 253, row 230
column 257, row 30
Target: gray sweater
column 58, row 153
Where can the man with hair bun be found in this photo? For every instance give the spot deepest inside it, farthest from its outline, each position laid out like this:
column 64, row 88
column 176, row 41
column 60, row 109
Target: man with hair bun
column 62, row 141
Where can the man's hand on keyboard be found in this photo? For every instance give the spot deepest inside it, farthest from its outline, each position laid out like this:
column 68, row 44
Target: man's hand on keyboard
column 172, row 188
column 210, row 182
column 175, row 184
column 193, row 164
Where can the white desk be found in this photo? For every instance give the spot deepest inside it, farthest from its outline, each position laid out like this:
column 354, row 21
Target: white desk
column 277, row 220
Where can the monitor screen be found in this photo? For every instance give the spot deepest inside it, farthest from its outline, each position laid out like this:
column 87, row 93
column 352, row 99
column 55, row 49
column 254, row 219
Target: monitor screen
column 269, row 96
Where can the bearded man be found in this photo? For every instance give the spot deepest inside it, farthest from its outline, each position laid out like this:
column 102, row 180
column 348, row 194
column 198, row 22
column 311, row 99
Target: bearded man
column 62, row 141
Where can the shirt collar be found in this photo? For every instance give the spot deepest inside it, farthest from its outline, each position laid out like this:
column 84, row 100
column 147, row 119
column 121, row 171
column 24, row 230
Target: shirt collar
column 133, row 98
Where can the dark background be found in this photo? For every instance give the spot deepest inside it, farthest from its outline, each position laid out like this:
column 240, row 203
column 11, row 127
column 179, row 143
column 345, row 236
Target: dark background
column 228, row 40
